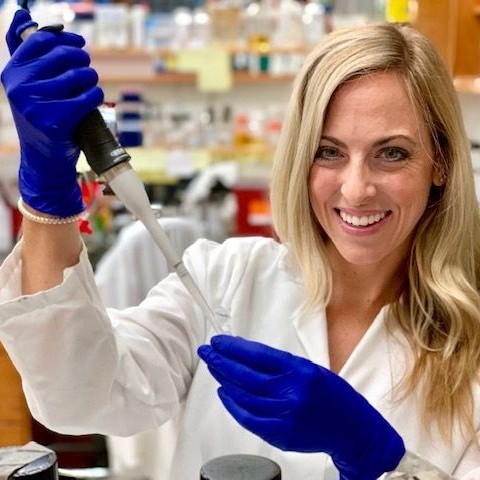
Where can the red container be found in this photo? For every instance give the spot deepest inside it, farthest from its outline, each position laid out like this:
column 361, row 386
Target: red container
column 253, row 211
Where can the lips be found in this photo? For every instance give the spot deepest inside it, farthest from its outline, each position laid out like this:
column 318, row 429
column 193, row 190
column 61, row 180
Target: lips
column 362, row 220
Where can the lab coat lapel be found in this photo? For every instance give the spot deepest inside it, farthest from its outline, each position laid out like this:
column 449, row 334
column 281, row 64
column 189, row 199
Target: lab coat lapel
column 311, row 331
column 371, row 347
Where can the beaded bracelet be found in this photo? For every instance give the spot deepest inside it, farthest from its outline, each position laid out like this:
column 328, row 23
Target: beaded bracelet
column 44, row 219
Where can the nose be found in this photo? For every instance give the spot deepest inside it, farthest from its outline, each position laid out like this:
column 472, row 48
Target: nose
column 358, row 185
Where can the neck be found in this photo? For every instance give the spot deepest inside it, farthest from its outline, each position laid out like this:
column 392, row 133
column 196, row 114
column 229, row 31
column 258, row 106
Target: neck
column 365, row 286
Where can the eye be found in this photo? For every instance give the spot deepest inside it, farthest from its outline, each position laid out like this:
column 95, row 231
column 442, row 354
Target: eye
column 327, row 153
column 394, row 154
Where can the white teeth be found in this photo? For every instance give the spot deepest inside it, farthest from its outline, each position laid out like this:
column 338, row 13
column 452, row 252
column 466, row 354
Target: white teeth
column 362, row 221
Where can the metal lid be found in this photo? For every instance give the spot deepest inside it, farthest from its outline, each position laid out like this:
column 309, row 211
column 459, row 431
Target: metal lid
column 240, row 467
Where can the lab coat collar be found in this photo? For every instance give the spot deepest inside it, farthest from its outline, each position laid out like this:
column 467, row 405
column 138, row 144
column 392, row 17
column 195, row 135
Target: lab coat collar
column 312, row 332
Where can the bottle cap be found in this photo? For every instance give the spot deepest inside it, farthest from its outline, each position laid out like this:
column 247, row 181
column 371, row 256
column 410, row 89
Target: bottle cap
column 240, row 467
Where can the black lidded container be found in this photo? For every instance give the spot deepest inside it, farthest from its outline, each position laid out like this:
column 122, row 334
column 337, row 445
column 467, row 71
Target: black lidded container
column 240, row 467
column 44, row 467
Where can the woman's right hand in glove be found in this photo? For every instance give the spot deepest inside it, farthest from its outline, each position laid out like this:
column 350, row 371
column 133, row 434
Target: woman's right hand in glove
column 50, row 87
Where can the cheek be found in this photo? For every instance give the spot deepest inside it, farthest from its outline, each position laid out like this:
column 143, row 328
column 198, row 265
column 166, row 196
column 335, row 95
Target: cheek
column 321, row 186
column 412, row 198
column 419, row 183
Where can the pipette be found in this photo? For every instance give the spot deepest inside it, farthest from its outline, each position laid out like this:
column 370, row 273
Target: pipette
column 124, row 181
column 109, row 159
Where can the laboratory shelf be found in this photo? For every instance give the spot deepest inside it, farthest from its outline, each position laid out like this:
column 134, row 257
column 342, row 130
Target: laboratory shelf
column 172, row 78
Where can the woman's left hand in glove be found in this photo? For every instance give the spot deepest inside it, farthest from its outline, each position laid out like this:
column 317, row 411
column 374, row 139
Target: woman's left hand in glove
column 296, row 405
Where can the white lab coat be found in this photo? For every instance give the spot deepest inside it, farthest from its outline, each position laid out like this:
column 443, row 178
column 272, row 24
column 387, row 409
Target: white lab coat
column 147, row 454
column 85, row 371
column 135, row 251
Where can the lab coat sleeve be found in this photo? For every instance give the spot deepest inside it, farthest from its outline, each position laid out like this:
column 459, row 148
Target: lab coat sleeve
column 415, row 467
column 79, row 374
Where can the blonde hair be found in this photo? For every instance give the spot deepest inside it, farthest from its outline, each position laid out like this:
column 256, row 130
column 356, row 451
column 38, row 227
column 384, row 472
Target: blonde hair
column 439, row 307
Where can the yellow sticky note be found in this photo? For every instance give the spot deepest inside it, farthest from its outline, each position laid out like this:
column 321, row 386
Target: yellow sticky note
column 189, row 60
column 214, row 73
column 397, row 11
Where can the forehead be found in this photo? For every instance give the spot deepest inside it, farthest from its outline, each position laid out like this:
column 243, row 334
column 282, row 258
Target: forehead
column 378, row 100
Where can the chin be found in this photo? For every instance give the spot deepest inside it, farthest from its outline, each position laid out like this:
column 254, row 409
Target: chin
column 362, row 257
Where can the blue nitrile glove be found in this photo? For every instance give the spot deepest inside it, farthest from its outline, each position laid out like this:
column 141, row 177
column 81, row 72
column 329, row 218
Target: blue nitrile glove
column 21, row 21
column 50, row 87
column 299, row 406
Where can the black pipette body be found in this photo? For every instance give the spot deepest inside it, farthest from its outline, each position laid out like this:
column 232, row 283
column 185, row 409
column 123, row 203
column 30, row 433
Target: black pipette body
column 97, row 142
column 102, row 150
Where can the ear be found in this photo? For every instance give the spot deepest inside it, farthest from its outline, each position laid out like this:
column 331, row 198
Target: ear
column 439, row 176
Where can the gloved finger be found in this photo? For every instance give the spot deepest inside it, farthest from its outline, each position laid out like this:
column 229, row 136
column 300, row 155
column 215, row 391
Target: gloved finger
column 281, row 406
column 226, row 370
column 43, row 41
column 21, row 21
column 59, row 60
column 264, row 427
column 254, row 354
column 67, row 85
column 256, row 386
column 86, row 102
column 275, row 386
column 68, row 113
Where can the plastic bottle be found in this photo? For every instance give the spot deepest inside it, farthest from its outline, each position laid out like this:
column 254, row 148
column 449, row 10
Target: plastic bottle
column 225, row 17
column 208, row 126
column 138, row 15
column 42, row 13
column 182, row 19
column 200, row 35
column 288, row 33
column 241, row 133
column 225, row 134
column 273, row 129
column 259, row 25
column 111, row 24
column 83, row 21
column 130, row 112
column 313, row 19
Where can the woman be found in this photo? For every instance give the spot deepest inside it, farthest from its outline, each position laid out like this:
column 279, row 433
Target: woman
column 375, row 281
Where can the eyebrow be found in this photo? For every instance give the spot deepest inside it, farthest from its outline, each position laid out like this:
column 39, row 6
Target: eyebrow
column 378, row 143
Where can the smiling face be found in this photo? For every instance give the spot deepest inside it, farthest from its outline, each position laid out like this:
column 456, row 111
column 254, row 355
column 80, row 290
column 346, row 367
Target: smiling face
column 371, row 178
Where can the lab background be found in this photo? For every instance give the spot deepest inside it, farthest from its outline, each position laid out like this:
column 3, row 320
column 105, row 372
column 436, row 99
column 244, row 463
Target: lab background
column 195, row 92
